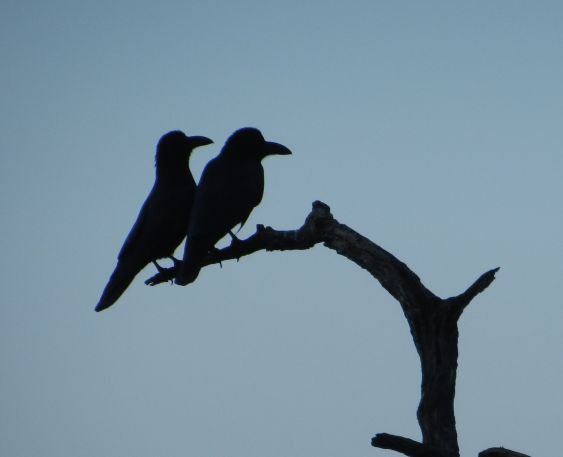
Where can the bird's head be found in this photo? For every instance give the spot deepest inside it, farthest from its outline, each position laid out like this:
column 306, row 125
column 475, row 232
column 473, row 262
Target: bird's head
column 249, row 143
column 175, row 147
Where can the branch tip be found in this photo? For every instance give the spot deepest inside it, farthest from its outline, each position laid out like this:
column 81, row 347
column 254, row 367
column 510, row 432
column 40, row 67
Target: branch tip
column 500, row 452
column 319, row 205
column 405, row 446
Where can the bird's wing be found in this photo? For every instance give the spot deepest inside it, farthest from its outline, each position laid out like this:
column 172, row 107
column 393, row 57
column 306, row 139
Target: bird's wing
column 147, row 229
column 134, row 241
column 132, row 258
column 251, row 191
column 161, row 225
column 225, row 196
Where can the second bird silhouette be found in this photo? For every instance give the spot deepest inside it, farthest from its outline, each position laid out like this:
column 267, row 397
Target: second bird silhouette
column 231, row 185
column 163, row 221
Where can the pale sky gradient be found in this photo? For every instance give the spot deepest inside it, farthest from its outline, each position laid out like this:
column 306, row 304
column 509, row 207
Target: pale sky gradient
column 433, row 128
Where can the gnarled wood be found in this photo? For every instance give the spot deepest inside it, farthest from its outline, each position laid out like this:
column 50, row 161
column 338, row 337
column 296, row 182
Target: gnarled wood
column 432, row 320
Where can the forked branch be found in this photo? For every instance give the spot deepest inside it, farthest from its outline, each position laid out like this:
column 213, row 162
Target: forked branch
column 432, row 320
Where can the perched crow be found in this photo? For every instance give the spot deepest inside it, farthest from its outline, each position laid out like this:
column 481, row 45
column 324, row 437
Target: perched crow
column 231, row 185
column 163, row 221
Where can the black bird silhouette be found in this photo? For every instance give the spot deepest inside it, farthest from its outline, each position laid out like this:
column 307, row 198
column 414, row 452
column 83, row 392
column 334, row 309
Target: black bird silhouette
column 163, row 221
column 231, row 185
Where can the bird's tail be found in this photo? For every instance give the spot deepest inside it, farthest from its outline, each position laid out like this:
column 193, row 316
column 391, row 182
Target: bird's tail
column 120, row 279
column 195, row 251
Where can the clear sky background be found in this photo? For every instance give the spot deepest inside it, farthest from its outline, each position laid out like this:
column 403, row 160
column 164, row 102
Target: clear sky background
column 433, row 128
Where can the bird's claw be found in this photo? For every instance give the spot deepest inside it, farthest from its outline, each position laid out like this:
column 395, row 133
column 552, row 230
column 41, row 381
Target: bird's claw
column 163, row 275
column 162, row 271
column 216, row 251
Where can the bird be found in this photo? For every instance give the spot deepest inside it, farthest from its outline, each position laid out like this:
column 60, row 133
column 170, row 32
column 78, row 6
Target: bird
column 163, row 220
column 230, row 187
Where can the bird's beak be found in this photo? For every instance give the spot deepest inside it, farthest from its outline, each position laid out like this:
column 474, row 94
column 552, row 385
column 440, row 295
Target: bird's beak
column 196, row 141
column 276, row 149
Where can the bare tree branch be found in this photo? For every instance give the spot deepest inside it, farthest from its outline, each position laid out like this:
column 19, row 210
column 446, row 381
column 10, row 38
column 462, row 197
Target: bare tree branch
column 321, row 227
column 404, row 446
column 462, row 300
column 265, row 238
column 432, row 320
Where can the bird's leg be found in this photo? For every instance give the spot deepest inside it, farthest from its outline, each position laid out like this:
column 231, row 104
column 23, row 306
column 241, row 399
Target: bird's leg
column 215, row 251
column 233, row 236
column 234, row 240
column 162, row 270
column 176, row 261
column 158, row 267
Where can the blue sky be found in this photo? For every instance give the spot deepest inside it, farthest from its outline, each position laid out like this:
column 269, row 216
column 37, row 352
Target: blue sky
column 433, row 128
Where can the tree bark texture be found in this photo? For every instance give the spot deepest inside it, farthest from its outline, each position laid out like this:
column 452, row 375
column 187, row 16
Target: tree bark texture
column 432, row 320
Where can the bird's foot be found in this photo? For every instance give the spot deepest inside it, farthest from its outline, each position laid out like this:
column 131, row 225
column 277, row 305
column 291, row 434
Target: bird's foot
column 234, row 241
column 215, row 251
column 163, row 275
column 163, row 270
